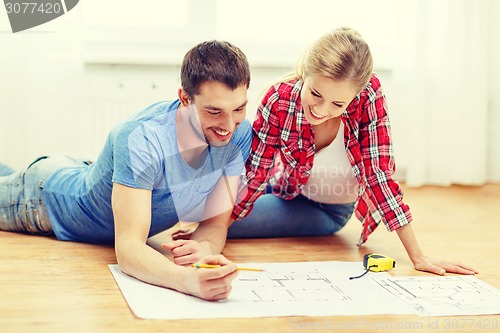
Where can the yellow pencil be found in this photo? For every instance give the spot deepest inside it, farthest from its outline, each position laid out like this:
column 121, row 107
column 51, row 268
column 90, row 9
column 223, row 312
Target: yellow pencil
column 239, row 268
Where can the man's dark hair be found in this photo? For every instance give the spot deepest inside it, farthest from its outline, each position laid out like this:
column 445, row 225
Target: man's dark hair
column 214, row 61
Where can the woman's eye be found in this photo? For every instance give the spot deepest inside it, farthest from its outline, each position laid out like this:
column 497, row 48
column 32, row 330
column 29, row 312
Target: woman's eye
column 315, row 94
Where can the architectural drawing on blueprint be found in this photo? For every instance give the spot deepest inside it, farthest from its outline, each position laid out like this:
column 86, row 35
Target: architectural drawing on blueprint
column 444, row 295
column 282, row 289
column 293, row 286
column 316, row 289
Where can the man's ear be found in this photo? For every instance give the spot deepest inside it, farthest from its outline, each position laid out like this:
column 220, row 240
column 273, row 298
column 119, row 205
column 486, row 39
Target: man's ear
column 183, row 97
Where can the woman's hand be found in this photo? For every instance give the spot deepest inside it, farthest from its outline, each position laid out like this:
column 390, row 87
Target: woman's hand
column 423, row 263
column 212, row 284
column 440, row 267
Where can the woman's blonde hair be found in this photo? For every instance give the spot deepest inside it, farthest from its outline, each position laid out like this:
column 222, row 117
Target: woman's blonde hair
column 341, row 54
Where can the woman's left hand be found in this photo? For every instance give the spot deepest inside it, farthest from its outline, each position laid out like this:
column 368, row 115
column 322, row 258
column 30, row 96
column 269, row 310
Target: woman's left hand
column 440, row 267
column 424, row 263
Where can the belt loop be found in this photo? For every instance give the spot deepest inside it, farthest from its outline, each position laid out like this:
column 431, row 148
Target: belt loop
column 38, row 159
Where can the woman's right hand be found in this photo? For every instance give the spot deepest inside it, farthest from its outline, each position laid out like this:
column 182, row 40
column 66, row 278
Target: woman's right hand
column 212, row 284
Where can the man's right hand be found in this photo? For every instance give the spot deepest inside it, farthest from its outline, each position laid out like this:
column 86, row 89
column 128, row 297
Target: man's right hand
column 212, row 284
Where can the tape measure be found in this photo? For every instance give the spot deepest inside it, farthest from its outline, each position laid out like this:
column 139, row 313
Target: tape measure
column 376, row 263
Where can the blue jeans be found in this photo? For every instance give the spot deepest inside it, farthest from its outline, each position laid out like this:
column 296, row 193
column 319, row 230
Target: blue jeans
column 22, row 205
column 275, row 217
column 5, row 170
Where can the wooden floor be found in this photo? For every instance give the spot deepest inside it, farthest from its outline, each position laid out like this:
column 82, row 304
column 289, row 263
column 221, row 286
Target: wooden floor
column 52, row 286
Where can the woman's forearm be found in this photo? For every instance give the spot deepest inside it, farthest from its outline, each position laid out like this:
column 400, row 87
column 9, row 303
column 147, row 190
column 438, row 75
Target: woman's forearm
column 407, row 237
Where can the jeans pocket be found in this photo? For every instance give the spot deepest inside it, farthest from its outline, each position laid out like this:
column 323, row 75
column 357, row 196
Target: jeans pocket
column 40, row 219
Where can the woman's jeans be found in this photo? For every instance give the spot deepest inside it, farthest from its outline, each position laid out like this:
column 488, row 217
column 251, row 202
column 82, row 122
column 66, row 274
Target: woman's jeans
column 22, row 204
column 275, row 217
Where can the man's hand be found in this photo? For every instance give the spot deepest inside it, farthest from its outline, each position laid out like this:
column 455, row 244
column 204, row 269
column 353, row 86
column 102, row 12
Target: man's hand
column 187, row 252
column 182, row 234
column 212, row 284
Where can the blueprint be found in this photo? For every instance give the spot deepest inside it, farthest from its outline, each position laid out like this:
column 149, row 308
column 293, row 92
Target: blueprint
column 295, row 286
column 444, row 295
column 315, row 289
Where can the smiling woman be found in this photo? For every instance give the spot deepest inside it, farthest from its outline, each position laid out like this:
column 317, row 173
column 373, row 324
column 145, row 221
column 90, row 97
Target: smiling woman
column 324, row 98
column 299, row 120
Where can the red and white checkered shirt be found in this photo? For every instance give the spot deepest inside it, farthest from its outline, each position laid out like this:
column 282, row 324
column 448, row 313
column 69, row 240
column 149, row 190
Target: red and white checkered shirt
column 283, row 153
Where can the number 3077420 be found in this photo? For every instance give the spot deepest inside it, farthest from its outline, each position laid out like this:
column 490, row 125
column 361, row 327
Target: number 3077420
column 33, row 7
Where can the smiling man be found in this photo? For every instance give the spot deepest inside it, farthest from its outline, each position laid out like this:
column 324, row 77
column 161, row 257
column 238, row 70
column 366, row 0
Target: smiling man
column 174, row 161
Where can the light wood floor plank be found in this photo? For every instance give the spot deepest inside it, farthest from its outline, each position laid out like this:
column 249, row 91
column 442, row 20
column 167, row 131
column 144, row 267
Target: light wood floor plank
column 52, row 286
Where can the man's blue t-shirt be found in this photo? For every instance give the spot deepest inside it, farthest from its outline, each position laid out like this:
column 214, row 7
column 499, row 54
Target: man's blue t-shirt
column 141, row 152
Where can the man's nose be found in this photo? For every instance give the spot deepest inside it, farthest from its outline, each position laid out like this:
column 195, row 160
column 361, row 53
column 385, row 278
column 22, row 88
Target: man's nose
column 227, row 122
column 231, row 120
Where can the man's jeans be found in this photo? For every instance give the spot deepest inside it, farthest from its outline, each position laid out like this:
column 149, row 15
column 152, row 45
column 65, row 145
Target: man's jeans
column 5, row 170
column 22, row 204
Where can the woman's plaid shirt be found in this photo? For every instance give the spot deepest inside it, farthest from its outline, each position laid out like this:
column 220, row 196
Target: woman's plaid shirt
column 283, row 154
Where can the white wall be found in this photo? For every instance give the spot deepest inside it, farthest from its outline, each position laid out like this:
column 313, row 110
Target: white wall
column 41, row 89
column 494, row 111
column 65, row 84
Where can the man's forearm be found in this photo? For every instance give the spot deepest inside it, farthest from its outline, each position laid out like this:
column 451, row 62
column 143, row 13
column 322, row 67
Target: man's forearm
column 213, row 234
column 148, row 265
